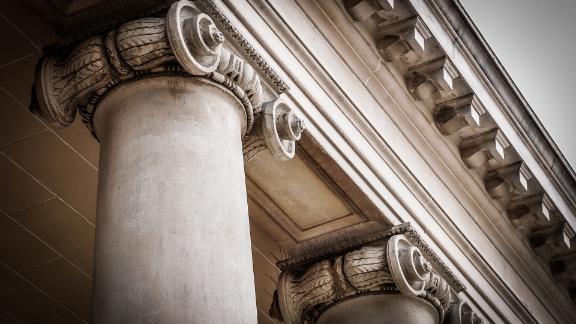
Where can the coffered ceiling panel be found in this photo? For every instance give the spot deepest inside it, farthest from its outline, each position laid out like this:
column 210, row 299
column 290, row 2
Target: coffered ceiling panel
column 296, row 199
column 297, row 191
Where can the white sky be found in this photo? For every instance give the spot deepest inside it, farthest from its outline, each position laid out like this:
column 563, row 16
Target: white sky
column 535, row 40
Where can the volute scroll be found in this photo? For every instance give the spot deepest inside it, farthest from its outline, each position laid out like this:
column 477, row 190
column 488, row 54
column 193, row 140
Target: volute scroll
column 195, row 39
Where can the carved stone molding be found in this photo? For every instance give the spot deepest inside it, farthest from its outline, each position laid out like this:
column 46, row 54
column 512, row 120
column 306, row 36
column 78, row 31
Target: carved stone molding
column 393, row 262
column 530, row 212
column 398, row 32
column 477, row 150
column 235, row 37
column 552, row 240
column 564, row 269
column 186, row 42
column 453, row 115
column 364, row 9
column 509, row 181
column 433, row 79
column 404, row 40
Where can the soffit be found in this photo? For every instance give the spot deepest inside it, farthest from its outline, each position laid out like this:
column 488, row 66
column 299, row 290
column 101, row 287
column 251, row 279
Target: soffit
column 306, row 197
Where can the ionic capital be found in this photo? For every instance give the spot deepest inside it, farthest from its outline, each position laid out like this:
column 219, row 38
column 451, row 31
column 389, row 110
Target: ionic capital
column 190, row 41
column 392, row 262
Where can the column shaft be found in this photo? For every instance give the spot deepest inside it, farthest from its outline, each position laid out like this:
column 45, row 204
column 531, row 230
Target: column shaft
column 380, row 309
column 172, row 231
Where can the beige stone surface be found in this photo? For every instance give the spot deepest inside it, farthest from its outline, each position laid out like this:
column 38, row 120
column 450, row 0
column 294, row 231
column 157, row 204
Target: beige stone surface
column 173, row 241
column 380, row 309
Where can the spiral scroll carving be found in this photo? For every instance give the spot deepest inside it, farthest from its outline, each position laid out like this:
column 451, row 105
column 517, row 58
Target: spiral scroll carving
column 186, row 42
column 461, row 313
column 391, row 266
column 414, row 275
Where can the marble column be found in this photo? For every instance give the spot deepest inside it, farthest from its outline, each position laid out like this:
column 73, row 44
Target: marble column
column 383, row 277
column 177, row 114
column 173, row 241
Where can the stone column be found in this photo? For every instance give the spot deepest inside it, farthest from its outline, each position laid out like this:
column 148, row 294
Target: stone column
column 176, row 113
column 380, row 309
column 173, row 241
column 383, row 277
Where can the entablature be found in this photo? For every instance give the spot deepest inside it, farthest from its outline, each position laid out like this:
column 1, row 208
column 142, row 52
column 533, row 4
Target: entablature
column 487, row 151
column 317, row 36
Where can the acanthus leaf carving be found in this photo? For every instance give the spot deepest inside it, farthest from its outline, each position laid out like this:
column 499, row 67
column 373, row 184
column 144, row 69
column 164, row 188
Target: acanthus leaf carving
column 302, row 297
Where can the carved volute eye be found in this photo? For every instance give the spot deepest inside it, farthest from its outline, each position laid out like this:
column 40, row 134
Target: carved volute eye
column 416, row 267
column 297, row 126
column 281, row 128
column 290, row 127
column 202, row 36
column 195, row 39
column 461, row 313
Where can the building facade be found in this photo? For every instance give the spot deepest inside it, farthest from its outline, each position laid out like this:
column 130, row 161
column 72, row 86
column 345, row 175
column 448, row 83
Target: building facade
column 267, row 161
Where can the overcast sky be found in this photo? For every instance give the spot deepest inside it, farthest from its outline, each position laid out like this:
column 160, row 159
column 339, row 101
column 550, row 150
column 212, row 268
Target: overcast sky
column 535, row 40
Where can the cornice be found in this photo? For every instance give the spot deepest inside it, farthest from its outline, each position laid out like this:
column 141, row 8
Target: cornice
column 515, row 103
